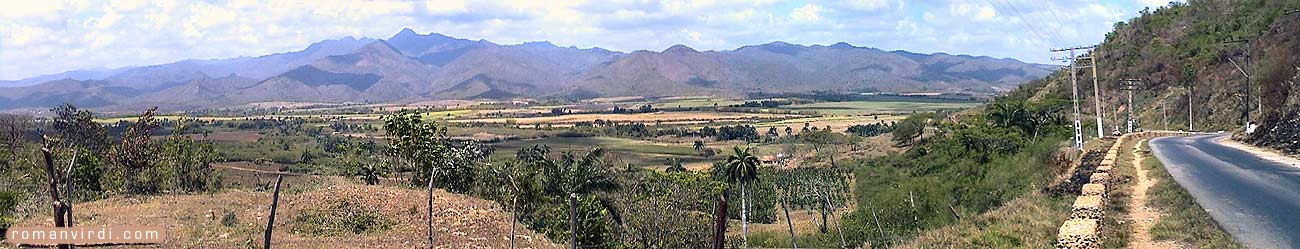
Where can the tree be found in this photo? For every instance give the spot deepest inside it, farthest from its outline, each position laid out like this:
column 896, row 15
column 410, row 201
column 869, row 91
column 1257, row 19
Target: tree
column 708, row 131
column 579, row 175
column 77, row 128
column 188, row 162
column 15, row 128
column 908, row 130
column 134, row 155
column 370, row 173
column 701, row 150
column 675, row 165
column 422, row 144
column 742, row 168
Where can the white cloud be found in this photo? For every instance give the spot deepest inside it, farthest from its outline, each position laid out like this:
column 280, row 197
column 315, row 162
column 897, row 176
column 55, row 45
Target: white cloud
column 807, row 13
column 869, row 4
column 445, row 6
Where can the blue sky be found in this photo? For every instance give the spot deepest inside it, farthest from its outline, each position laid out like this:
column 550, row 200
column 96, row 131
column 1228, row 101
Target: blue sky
column 43, row 37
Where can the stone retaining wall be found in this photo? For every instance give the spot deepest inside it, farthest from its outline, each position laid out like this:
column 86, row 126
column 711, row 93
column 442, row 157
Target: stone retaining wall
column 1083, row 229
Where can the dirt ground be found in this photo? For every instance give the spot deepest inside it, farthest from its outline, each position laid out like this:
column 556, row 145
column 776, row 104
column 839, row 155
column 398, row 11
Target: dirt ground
column 1143, row 217
column 194, row 221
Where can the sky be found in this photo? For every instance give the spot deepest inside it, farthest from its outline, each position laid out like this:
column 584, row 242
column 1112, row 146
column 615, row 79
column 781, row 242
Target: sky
column 49, row 36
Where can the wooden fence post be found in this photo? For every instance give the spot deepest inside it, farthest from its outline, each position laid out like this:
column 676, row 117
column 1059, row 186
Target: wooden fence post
column 720, row 229
column 270, row 222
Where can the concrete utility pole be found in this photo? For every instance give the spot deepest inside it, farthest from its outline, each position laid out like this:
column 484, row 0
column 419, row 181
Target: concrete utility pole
column 1130, row 85
column 1191, row 86
column 1245, row 110
column 1096, row 93
column 1074, row 83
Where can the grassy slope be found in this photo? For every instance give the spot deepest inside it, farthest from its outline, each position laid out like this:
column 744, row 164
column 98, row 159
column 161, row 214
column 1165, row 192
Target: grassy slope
column 1026, row 222
column 1118, row 227
column 1185, row 221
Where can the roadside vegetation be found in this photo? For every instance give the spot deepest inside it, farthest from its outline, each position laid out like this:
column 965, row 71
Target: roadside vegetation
column 1185, row 221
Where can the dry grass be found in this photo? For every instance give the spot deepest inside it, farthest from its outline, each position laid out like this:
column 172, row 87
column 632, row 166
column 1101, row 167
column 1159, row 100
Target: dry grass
column 1030, row 221
column 1118, row 224
column 229, row 136
column 459, row 221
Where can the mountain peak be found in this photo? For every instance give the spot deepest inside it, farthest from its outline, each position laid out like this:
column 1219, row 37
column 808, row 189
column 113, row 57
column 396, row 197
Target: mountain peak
column 546, row 44
column 406, row 32
column 842, row 45
column 679, row 48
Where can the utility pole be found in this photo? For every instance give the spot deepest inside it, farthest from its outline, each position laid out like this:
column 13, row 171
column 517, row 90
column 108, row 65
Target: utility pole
column 1074, row 83
column 1164, row 108
column 1191, row 91
column 1130, row 85
column 1245, row 110
column 1096, row 93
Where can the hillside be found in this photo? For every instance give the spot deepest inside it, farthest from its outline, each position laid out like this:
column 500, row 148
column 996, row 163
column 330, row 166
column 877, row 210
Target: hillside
column 411, row 67
column 1183, row 49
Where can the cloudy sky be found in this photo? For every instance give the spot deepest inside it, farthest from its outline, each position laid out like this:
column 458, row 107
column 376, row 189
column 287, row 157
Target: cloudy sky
column 47, row 36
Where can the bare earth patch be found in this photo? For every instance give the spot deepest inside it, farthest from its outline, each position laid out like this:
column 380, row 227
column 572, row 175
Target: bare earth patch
column 1143, row 217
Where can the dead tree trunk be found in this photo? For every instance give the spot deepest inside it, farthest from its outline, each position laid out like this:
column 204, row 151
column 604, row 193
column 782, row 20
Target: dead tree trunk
column 68, row 190
column 270, row 221
column 61, row 213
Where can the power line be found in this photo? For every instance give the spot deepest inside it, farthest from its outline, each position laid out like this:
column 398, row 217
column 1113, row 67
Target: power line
column 1051, row 8
column 1033, row 23
column 1025, row 25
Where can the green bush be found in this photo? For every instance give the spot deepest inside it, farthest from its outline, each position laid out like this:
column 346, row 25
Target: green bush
column 229, row 218
column 8, row 199
column 340, row 218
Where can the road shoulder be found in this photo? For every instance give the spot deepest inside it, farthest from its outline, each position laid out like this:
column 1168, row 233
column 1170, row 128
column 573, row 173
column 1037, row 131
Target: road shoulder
column 1264, row 153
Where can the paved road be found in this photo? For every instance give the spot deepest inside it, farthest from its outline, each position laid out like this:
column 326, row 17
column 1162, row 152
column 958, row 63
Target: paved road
column 1255, row 200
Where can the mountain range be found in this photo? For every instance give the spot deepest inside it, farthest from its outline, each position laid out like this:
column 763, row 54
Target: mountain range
column 411, row 67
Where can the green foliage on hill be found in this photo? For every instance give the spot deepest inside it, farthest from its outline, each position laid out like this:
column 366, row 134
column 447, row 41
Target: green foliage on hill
column 1186, row 50
column 968, row 165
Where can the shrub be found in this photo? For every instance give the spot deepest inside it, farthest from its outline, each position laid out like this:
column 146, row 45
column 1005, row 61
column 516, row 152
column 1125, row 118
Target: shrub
column 340, row 218
column 229, row 219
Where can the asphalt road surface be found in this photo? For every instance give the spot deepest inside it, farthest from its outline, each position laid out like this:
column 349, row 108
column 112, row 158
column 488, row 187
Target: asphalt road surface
column 1255, row 200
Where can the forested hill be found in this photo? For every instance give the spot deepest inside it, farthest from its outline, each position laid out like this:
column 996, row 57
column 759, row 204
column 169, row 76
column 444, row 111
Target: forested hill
column 1185, row 49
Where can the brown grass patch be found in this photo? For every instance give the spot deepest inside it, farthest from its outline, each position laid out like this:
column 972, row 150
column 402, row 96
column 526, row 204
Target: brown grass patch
column 194, row 221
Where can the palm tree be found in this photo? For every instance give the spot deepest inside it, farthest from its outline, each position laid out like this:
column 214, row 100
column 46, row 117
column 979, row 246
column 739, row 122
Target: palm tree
column 675, row 165
column 581, row 175
column 699, row 147
column 370, row 173
column 742, row 167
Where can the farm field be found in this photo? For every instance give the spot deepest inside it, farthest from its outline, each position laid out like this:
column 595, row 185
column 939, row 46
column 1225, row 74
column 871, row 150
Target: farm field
column 874, row 107
column 329, row 152
column 691, row 116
